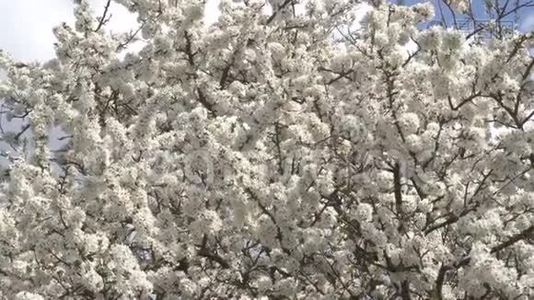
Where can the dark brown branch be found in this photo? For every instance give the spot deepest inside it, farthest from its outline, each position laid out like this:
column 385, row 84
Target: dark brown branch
column 191, row 60
column 214, row 257
column 439, row 282
column 226, row 71
column 18, row 135
column 130, row 38
column 276, row 10
column 405, row 290
column 103, row 20
column 398, row 192
column 514, row 239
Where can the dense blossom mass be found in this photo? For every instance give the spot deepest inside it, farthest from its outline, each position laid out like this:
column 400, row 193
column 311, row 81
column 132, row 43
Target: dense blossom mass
column 286, row 151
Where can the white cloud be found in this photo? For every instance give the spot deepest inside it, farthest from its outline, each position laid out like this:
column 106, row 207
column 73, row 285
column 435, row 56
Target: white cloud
column 211, row 11
column 26, row 27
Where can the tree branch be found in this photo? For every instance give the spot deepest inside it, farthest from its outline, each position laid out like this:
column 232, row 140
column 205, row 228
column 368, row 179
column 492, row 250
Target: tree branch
column 103, row 19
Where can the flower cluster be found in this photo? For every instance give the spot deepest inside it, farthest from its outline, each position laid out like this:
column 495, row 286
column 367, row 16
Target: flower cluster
column 278, row 152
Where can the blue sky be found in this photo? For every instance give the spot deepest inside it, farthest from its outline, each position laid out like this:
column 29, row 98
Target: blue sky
column 525, row 16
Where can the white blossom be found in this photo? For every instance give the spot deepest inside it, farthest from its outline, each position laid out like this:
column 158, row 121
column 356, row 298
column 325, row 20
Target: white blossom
column 312, row 149
column 364, row 212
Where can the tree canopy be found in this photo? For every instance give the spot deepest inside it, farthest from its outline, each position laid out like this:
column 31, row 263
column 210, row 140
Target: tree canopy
column 290, row 150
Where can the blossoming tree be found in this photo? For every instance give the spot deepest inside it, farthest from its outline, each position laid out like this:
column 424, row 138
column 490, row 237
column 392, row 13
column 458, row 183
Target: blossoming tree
column 280, row 152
